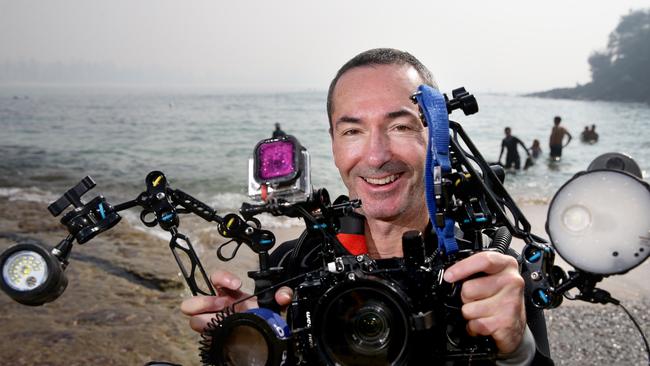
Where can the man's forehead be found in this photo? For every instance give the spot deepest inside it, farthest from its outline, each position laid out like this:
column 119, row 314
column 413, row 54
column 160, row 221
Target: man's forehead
column 376, row 81
column 403, row 72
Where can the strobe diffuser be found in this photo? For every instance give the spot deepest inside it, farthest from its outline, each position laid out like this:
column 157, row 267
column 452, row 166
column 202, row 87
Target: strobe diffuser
column 599, row 221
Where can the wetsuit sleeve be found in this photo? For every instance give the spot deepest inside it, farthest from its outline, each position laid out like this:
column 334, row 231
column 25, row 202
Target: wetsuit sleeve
column 503, row 145
column 523, row 355
column 523, row 145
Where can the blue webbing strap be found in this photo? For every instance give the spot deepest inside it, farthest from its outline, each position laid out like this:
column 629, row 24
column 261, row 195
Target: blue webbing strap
column 434, row 108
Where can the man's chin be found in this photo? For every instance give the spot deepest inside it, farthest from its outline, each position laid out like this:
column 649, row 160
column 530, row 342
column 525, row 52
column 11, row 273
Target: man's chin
column 380, row 213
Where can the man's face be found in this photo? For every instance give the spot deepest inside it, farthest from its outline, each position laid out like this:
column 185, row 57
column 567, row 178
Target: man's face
column 378, row 141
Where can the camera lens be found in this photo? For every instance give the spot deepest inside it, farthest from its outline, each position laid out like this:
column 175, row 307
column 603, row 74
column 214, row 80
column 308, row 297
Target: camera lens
column 245, row 346
column 370, row 328
column 365, row 323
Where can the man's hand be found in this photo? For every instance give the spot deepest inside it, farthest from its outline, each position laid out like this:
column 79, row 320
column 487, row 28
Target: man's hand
column 493, row 305
column 202, row 308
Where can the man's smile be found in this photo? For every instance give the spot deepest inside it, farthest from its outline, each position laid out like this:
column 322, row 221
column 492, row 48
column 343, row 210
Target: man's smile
column 383, row 180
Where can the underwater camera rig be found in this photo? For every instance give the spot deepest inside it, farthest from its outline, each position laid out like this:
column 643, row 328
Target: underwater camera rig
column 349, row 308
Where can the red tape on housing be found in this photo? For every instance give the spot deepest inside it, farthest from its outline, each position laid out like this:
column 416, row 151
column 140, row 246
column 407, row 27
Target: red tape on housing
column 354, row 243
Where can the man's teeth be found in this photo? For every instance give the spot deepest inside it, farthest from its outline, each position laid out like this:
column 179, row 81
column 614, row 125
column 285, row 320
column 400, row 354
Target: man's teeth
column 381, row 181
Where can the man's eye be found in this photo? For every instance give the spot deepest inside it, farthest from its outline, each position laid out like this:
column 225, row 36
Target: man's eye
column 403, row 128
column 350, row 132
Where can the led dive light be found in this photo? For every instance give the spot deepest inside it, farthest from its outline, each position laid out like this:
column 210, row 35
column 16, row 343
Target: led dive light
column 31, row 275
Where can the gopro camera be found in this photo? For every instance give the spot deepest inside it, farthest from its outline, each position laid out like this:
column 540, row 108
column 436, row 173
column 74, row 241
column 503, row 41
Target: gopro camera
column 279, row 168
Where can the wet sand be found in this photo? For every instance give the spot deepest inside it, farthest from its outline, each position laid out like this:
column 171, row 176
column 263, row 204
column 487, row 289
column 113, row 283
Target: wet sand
column 121, row 306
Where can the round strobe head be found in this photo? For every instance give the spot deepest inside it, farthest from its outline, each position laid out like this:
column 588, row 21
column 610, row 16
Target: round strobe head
column 599, row 221
column 616, row 161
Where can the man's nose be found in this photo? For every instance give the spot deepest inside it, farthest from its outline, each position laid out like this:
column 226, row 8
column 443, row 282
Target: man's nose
column 378, row 151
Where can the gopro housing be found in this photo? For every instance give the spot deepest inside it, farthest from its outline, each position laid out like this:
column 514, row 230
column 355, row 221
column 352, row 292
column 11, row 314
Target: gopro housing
column 279, row 168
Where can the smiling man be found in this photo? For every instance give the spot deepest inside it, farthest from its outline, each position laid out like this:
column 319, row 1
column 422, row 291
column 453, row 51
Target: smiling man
column 379, row 145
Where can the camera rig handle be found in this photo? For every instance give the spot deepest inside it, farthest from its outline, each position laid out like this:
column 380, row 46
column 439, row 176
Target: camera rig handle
column 475, row 199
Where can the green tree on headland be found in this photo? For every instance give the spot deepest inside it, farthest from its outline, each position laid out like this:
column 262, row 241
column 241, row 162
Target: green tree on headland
column 622, row 71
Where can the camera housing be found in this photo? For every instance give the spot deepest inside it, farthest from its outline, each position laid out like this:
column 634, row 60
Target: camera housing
column 397, row 311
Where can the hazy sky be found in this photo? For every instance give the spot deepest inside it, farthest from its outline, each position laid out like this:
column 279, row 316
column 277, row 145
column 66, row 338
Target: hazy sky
column 501, row 46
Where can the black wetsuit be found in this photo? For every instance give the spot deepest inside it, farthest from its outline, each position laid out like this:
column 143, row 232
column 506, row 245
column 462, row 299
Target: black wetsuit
column 309, row 258
column 512, row 156
column 278, row 133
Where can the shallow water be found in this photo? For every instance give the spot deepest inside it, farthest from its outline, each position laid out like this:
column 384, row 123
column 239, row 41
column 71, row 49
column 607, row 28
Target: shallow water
column 51, row 137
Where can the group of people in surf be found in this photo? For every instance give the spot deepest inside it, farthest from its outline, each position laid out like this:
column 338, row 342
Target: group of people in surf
column 556, row 143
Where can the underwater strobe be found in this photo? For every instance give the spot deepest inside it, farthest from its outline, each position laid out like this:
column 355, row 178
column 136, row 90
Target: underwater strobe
column 598, row 221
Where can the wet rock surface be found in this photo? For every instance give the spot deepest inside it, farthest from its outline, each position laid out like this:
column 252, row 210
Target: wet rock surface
column 121, row 306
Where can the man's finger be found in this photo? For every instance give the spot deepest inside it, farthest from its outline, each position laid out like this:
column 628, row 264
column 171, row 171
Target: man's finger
column 203, row 304
column 199, row 322
column 486, row 262
column 283, row 296
column 225, row 279
column 479, row 288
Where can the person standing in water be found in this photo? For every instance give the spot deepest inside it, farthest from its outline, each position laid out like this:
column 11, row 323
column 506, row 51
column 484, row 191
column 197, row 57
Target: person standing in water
column 593, row 135
column 535, row 149
column 278, row 131
column 509, row 143
column 556, row 139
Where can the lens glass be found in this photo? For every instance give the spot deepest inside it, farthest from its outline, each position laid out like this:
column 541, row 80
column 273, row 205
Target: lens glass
column 245, row 345
column 24, row 270
column 276, row 160
column 364, row 326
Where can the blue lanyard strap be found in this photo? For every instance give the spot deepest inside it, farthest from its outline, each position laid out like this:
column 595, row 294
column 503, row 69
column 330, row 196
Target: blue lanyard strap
column 434, row 110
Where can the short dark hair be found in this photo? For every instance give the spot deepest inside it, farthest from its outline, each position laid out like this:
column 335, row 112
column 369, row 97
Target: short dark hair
column 379, row 56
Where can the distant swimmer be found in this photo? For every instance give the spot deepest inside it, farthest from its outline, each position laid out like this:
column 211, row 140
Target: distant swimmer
column 535, row 149
column 584, row 136
column 509, row 143
column 589, row 135
column 592, row 133
column 555, row 142
column 278, row 131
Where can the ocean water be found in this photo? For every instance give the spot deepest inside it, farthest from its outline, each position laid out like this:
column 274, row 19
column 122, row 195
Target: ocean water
column 51, row 137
